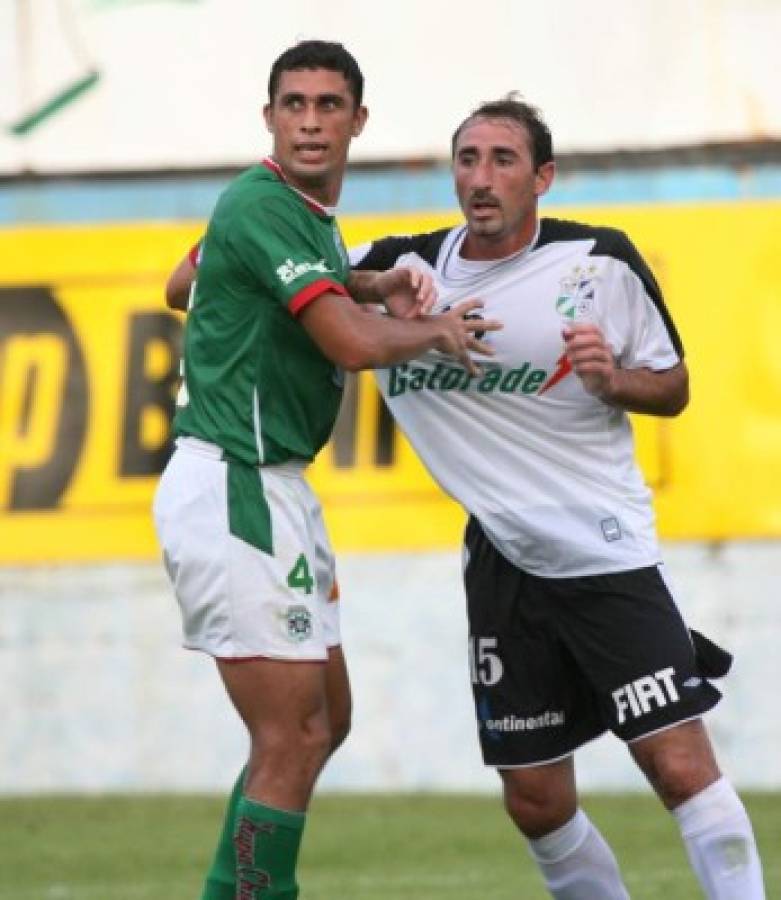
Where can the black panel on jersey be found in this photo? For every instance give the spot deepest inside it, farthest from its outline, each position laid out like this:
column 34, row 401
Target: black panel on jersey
column 384, row 253
column 614, row 243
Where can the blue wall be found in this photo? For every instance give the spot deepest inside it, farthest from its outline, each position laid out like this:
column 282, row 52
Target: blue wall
column 181, row 197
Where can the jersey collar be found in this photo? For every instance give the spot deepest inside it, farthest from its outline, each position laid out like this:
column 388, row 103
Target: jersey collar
column 273, row 166
column 453, row 261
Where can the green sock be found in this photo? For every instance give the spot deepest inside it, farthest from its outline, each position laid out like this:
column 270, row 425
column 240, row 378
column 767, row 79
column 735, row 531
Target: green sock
column 221, row 878
column 266, row 843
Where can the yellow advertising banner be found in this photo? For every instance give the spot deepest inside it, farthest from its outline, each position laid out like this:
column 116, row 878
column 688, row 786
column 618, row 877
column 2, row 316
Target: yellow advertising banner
column 89, row 362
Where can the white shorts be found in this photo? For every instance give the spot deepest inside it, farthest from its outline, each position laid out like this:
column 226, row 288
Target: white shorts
column 238, row 601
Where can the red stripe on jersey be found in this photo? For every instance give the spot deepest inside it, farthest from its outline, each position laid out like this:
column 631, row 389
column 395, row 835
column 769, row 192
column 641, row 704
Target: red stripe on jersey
column 313, row 291
column 193, row 254
column 273, row 166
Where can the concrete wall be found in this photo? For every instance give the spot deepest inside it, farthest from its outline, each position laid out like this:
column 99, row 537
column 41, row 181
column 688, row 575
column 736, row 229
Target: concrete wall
column 97, row 695
column 181, row 84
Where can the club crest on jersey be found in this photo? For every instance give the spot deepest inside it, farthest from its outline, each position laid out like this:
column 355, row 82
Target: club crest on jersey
column 576, row 293
column 297, row 623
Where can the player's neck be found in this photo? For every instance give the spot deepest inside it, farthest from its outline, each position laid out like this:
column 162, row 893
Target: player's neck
column 479, row 247
column 324, row 193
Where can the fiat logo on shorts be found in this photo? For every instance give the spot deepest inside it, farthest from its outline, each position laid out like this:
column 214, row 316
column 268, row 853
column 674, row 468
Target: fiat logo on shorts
column 298, row 621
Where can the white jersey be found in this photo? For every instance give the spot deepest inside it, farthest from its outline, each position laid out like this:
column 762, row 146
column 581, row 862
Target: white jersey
column 546, row 468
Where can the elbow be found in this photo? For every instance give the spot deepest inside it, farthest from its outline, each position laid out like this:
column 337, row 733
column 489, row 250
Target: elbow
column 680, row 406
column 677, row 393
column 681, row 399
column 176, row 299
column 357, row 353
column 677, row 403
column 355, row 359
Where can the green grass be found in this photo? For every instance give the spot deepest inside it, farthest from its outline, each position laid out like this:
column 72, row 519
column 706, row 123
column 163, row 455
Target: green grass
column 357, row 847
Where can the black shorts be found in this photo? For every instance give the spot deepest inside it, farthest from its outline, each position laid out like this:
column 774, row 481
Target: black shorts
column 555, row 662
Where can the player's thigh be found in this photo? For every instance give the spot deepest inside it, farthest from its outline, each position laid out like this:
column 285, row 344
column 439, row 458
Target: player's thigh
column 239, row 600
column 339, row 696
column 278, row 596
column 337, row 679
column 634, row 648
column 324, row 571
column 531, row 704
column 279, row 701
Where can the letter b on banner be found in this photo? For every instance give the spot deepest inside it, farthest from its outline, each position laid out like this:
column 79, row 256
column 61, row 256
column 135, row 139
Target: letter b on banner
column 152, row 379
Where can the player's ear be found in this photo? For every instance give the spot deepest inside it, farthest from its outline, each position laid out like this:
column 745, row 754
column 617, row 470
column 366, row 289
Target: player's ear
column 543, row 178
column 359, row 120
column 267, row 116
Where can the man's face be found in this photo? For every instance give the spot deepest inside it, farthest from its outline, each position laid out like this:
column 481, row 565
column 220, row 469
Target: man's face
column 496, row 182
column 313, row 119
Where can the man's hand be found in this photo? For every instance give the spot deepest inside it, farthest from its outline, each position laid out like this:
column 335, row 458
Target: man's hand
column 405, row 292
column 458, row 338
column 641, row 390
column 591, row 359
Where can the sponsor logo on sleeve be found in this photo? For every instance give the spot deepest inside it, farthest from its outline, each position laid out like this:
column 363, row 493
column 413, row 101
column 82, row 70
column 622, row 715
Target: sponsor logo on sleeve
column 289, row 271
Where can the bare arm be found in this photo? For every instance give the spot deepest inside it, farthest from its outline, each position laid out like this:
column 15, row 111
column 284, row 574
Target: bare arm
column 405, row 292
column 177, row 288
column 356, row 341
column 635, row 390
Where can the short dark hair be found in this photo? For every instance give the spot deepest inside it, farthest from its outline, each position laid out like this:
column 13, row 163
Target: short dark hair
column 318, row 55
column 517, row 110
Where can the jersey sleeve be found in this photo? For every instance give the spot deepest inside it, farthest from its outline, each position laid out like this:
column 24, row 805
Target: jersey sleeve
column 381, row 255
column 194, row 254
column 273, row 243
column 637, row 324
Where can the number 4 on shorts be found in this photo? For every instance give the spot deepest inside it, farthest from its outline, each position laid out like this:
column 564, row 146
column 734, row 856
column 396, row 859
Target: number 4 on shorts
column 300, row 577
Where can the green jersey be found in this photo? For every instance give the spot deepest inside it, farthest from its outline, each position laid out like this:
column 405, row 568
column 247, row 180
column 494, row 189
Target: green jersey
column 255, row 383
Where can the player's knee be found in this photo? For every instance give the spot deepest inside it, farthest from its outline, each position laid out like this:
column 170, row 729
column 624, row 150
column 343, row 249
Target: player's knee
column 679, row 774
column 293, row 750
column 536, row 812
column 313, row 743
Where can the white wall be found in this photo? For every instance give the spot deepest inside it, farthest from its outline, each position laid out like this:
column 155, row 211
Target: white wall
column 182, row 82
column 96, row 694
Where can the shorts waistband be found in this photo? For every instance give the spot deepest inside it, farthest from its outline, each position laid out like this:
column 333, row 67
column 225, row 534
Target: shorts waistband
column 293, row 467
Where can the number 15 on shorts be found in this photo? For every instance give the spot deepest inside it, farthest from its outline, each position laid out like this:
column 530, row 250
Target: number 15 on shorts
column 485, row 667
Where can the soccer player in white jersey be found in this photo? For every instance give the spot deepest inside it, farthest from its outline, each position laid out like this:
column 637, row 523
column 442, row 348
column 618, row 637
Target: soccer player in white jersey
column 270, row 327
column 573, row 627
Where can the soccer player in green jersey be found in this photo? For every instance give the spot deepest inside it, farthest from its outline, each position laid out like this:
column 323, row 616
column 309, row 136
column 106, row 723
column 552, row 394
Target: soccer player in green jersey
column 270, row 328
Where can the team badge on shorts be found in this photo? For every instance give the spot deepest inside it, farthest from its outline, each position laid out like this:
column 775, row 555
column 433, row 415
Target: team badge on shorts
column 298, row 623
